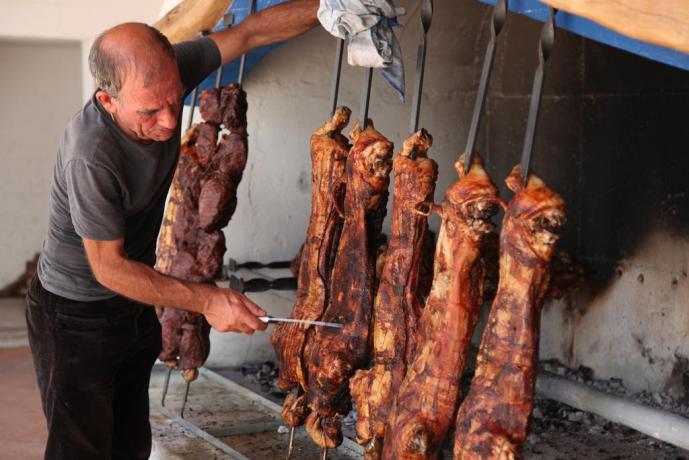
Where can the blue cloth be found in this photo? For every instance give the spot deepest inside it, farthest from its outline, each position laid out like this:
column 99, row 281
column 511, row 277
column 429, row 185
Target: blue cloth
column 240, row 10
column 368, row 27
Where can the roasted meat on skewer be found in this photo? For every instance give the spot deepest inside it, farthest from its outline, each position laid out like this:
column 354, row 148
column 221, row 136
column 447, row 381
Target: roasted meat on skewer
column 427, row 400
column 493, row 419
column 202, row 200
column 334, row 354
column 329, row 149
column 397, row 306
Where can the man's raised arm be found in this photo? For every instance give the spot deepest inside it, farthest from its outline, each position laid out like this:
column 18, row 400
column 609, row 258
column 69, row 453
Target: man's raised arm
column 278, row 23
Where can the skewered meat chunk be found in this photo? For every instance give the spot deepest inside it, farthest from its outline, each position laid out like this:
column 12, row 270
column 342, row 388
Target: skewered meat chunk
column 202, row 200
column 397, row 306
column 333, row 355
column 329, row 149
column 493, row 419
column 427, row 400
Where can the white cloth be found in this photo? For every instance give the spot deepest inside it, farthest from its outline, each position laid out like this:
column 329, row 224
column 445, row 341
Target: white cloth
column 367, row 26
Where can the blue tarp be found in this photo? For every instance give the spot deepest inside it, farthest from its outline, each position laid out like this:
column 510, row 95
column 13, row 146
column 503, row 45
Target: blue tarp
column 240, row 9
column 589, row 29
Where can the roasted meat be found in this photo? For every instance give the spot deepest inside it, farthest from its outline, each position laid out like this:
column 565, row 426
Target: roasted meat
column 202, row 200
column 397, row 305
column 333, row 355
column 428, row 397
column 493, row 419
column 329, row 149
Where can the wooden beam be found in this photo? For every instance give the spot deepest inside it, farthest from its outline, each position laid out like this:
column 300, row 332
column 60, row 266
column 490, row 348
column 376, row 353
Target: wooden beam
column 664, row 23
column 186, row 20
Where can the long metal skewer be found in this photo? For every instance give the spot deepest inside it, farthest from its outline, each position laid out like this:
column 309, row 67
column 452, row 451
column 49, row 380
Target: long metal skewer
column 242, row 61
column 166, row 384
column 426, row 16
column 366, row 98
column 324, row 454
column 194, row 96
column 498, row 20
column 184, row 400
column 545, row 46
column 338, row 71
column 290, row 447
column 227, row 21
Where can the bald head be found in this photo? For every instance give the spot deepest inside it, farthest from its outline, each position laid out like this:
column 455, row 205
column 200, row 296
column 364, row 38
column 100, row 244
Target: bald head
column 129, row 50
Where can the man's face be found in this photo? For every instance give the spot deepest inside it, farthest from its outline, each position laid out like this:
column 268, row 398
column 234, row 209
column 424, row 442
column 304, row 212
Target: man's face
column 150, row 112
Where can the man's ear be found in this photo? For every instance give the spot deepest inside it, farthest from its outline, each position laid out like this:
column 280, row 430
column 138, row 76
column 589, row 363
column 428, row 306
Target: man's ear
column 107, row 101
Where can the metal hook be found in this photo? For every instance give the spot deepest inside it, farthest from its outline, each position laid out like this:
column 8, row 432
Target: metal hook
column 498, row 20
column 545, row 46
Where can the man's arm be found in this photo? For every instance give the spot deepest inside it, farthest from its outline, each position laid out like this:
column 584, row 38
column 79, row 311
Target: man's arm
column 278, row 23
column 225, row 309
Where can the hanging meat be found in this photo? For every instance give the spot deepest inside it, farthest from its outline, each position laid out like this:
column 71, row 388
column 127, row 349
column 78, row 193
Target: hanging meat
column 202, row 200
column 329, row 149
column 493, row 419
column 397, row 306
column 332, row 355
column 427, row 400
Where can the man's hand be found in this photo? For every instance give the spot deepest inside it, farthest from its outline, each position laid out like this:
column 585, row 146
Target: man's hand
column 230, row 311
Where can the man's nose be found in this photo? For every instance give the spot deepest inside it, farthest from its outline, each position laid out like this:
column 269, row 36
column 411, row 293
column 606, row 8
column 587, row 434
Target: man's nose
column 167, row 119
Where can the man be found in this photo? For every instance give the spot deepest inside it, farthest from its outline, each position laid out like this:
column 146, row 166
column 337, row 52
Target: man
column 93, row 333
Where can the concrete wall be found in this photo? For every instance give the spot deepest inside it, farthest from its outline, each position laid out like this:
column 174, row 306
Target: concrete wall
column 40, row 89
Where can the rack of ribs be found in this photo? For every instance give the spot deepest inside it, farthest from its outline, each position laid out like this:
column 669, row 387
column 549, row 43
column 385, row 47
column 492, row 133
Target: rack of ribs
column 329, row 149
column 397, row 306
column 428, row 397
column 332, row 355
column 203, row 198
column 493, row 419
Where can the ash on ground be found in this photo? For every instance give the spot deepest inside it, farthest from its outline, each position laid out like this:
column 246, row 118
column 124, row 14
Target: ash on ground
column 557, row 432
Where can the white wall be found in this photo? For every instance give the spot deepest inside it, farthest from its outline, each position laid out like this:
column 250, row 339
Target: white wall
column 40, row 89
column 70, row 19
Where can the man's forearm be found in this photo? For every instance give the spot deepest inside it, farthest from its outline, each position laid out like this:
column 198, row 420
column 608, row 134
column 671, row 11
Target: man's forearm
column 278, row 23
column 142, row 283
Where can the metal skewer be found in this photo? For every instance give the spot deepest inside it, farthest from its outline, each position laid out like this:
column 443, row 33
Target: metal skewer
column 227, row 21
column 366, row 97
column 290, row 447
column 545, row 46
column 166, row 384
column 184, row 400
column 338, row 71
column 426, row 16
column 324, row 455
column 242, row 61
column 194, row 95
column 498, row 20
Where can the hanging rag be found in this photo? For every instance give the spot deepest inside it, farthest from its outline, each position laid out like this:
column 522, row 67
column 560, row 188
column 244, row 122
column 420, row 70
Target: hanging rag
column 367, row 26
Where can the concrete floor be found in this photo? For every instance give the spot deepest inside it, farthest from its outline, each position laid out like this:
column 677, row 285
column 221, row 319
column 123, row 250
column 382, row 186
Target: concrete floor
column 22, row 426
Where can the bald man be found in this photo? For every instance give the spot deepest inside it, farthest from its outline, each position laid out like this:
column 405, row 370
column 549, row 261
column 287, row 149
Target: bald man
column 93, row 333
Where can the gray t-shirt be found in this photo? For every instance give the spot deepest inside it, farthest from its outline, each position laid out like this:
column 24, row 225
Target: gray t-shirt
column 106, row 186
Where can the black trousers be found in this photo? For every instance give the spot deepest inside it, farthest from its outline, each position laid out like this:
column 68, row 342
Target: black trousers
column 93, row 362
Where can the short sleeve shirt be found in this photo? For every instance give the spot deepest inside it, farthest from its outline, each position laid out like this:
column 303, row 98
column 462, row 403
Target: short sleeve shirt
column 105, row 186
